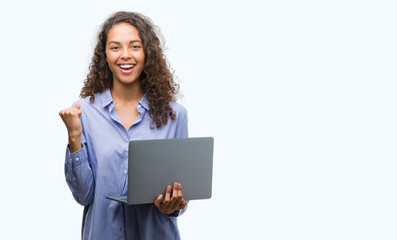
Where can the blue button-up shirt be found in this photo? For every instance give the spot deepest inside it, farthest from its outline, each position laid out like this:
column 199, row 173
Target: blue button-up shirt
column 99, row 169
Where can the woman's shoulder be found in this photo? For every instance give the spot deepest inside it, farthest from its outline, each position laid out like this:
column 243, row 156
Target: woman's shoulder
column 84, row 103
column 178, row 108
column 180, row 112
column 99, row 99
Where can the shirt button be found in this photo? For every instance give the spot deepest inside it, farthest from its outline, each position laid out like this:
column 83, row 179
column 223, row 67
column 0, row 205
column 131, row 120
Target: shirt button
column 77, row 159
column 74, row 179
column 125, row 171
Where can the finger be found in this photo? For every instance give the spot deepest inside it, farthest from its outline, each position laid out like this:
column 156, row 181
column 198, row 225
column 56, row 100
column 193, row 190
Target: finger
column 180, row 190
column 158, row 200
column 79, row 112
column 168, row 193
column 70, row 117
column 181, row 201
column 70, row 111
column 183, row 204
column 74, row 112
column 63, row 112
column 167, row 199
column 78, row 105
column 175, row 200
column 175, row 190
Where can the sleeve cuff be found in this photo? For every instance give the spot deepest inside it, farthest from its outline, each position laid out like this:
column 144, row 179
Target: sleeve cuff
column 174, row 214
column 76, row 158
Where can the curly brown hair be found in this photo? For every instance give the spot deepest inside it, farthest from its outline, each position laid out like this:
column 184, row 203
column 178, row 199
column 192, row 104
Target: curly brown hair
column 157, row 80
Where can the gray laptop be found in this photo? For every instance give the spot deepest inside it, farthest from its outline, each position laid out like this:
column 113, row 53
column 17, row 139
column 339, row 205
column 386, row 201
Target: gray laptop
column 154, row 164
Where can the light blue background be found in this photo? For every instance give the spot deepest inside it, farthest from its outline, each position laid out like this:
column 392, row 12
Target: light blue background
column 300, row 97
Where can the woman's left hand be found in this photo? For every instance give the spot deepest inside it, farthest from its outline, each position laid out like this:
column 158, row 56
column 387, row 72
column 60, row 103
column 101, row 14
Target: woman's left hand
column 171, row 204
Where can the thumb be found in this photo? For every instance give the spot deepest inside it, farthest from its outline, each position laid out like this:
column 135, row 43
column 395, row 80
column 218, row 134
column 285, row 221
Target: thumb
column 157, row 201
column 78, row 105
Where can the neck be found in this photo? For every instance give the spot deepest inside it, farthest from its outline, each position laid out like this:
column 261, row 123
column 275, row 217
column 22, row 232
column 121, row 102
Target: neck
column 126, row 93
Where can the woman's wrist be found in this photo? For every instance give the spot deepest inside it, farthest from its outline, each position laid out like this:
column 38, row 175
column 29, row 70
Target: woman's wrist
column 74, row 144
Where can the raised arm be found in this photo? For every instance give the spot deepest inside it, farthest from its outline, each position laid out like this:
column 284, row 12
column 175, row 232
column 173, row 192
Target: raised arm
column 78, row 172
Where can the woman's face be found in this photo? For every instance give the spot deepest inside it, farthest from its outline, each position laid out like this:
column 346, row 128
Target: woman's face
column 124, row 53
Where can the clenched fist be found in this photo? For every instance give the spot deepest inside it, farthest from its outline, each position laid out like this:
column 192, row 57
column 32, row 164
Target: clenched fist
column 71, row 118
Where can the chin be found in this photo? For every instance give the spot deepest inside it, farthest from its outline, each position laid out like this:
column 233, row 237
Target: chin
column 129, row 82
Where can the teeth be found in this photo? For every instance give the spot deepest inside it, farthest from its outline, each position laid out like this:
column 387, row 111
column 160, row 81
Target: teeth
column 126, row 66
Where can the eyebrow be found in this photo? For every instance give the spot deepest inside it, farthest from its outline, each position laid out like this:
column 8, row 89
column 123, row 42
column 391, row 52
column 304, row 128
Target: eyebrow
column 133, row 41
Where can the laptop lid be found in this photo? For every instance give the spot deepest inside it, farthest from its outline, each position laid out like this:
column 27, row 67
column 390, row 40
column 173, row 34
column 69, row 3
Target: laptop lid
column 154, row 164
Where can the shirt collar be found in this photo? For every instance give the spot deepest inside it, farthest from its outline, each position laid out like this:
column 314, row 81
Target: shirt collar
column 107, row 99
column 144, row 102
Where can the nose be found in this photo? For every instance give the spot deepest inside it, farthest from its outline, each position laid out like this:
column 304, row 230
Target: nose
column 125, row 53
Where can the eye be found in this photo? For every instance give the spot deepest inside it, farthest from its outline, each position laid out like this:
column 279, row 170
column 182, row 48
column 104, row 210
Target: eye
column 135, row 47
column 114, row 48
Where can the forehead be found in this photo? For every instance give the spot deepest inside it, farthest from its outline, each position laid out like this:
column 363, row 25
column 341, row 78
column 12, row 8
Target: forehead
column 123, row 32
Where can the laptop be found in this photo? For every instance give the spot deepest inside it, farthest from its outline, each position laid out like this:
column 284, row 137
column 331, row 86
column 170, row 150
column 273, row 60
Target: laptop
column 154, row 164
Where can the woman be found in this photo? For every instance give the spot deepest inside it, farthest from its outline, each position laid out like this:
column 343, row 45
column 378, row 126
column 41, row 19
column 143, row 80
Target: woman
column 129, row 94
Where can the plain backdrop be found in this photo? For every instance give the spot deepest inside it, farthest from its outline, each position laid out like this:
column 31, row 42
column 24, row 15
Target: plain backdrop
column 300, row 97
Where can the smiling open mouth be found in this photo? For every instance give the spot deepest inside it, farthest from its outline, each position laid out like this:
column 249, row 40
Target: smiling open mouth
column 126, row 68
